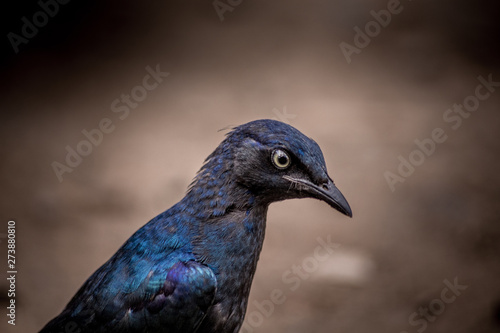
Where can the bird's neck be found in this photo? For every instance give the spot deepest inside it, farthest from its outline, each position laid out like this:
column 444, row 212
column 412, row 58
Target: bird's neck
column 215, row 191
column 231, row 227
column 228, row 235
column 228, row 214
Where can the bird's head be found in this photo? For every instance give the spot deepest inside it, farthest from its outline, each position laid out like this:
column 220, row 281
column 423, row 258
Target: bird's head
column 277, row 162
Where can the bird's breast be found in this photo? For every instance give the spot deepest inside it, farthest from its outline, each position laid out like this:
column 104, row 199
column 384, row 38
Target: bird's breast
column 231, row 248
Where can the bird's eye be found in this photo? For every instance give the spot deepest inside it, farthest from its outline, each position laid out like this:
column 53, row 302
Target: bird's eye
column 280, row 159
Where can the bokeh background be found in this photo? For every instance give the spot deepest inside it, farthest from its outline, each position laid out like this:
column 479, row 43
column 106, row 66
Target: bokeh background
column 262, row 59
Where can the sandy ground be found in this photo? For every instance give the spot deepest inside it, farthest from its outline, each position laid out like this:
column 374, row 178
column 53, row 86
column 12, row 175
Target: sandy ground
column 404, row 247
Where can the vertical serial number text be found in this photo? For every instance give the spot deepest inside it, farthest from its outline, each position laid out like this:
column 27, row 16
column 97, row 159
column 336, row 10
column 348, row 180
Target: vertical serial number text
column 11, row 272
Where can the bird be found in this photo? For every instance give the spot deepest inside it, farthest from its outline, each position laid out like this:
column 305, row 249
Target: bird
column 190, row 268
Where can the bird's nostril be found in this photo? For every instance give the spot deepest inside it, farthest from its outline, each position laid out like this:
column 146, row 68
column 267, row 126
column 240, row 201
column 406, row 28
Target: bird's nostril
column 325, row 186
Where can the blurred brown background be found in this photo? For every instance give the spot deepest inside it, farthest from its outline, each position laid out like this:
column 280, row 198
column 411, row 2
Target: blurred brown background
column 282, row 60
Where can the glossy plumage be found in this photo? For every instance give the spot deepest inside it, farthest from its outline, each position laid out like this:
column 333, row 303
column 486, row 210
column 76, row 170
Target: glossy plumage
column 190, row 268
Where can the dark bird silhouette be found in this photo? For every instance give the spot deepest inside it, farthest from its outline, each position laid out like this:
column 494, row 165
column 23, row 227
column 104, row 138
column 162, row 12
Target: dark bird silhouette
column 190, row 268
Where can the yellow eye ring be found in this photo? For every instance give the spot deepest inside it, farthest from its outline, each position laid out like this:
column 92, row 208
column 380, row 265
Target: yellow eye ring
column 281, row 159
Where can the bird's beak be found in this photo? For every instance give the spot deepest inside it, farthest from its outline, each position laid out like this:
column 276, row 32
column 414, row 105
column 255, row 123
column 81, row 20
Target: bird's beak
column 326, row 192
